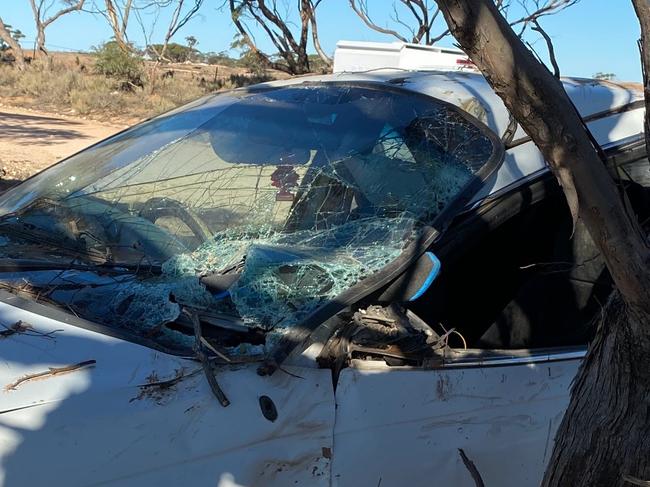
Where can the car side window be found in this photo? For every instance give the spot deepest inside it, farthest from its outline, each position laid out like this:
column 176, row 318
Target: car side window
column 533, row 282
column 530, row 284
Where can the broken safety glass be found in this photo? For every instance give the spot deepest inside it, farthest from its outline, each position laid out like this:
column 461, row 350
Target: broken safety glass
column 252, row 208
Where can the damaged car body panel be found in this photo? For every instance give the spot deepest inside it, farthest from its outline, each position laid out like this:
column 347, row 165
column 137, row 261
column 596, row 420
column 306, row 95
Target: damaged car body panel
column 502, row 418
column 137, row 416
column 334, row 280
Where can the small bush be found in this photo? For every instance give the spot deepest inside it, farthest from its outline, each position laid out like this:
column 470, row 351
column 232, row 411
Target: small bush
column 47, row 82
column 9, row 80
column 96, row 95
column 239, row 80
column 178, row 91
column 126, row 67
column 253, row 62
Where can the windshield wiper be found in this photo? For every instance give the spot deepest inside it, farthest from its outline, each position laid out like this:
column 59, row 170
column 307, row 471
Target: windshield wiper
column 74, row 253
column 23, row 265
column 29, row 232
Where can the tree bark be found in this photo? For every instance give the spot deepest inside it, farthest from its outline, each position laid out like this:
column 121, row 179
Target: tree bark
column 118, row 28
column 605, row 432
column 39, row 46
column 642, row 9
column 17, row 51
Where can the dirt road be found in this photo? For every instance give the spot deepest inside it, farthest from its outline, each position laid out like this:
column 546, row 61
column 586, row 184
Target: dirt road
column 31, row 141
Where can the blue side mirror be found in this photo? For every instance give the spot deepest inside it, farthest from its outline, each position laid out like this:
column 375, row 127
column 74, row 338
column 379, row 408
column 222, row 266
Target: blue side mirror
column 433, row 266
column 415, row 281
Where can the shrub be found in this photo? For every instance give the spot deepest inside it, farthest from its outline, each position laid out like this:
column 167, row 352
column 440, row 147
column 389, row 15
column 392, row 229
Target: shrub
column 239, row 80
column 96, row 95
column 124, row 66
column 253, row 62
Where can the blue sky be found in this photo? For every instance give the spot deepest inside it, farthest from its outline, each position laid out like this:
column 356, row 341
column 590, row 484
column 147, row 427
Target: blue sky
column 592, row 36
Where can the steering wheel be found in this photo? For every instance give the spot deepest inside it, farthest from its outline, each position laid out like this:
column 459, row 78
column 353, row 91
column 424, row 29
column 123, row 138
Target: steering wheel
column 156, row 208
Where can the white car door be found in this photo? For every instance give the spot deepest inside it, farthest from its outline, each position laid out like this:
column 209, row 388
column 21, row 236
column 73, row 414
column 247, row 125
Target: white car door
column 405, row 425
column 79, row 408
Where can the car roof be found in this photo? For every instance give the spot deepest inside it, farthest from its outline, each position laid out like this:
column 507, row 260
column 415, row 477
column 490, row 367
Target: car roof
column 617, row 107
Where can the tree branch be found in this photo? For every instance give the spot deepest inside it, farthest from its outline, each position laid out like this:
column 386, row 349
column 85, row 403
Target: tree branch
column 549, row 8
column 476, row 476
column 118, row 26
column 314, row 32
column 549, row 45
column 274, row 19
column 179, row 24
column 425, row 17
column 362, row 12
column 72, row 8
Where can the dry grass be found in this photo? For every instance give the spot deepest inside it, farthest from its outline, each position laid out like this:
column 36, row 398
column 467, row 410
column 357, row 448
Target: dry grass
column 66, row 83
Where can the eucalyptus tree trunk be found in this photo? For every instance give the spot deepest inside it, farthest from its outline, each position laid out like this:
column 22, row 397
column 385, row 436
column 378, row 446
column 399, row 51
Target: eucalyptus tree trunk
column 642, row 9
column 39, row 45
column 604, row 438
column 17, row 51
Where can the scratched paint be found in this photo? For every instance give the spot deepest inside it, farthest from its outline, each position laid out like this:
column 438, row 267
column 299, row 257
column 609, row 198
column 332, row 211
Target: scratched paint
column 418, row 419
column 112, row 424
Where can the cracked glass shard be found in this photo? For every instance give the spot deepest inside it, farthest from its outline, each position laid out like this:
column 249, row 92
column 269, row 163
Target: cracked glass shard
column 255, row 206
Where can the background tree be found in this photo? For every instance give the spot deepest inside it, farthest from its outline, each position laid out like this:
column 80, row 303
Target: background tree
column 604, row 438
column 180, row 17
column 41, row 10
column 604, row 76
column 174, row 53
column 291, row 56
column 117, row 13
column 414, row 20
column 16, row 35
column 184, row 11
column 11, row 38
column 123, row 66
column 191, row 42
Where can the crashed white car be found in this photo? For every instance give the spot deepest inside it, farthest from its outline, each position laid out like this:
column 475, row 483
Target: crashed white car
column 334, row 280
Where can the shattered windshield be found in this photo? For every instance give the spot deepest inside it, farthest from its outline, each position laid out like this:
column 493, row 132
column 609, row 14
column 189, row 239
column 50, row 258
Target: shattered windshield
column 250, row 208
